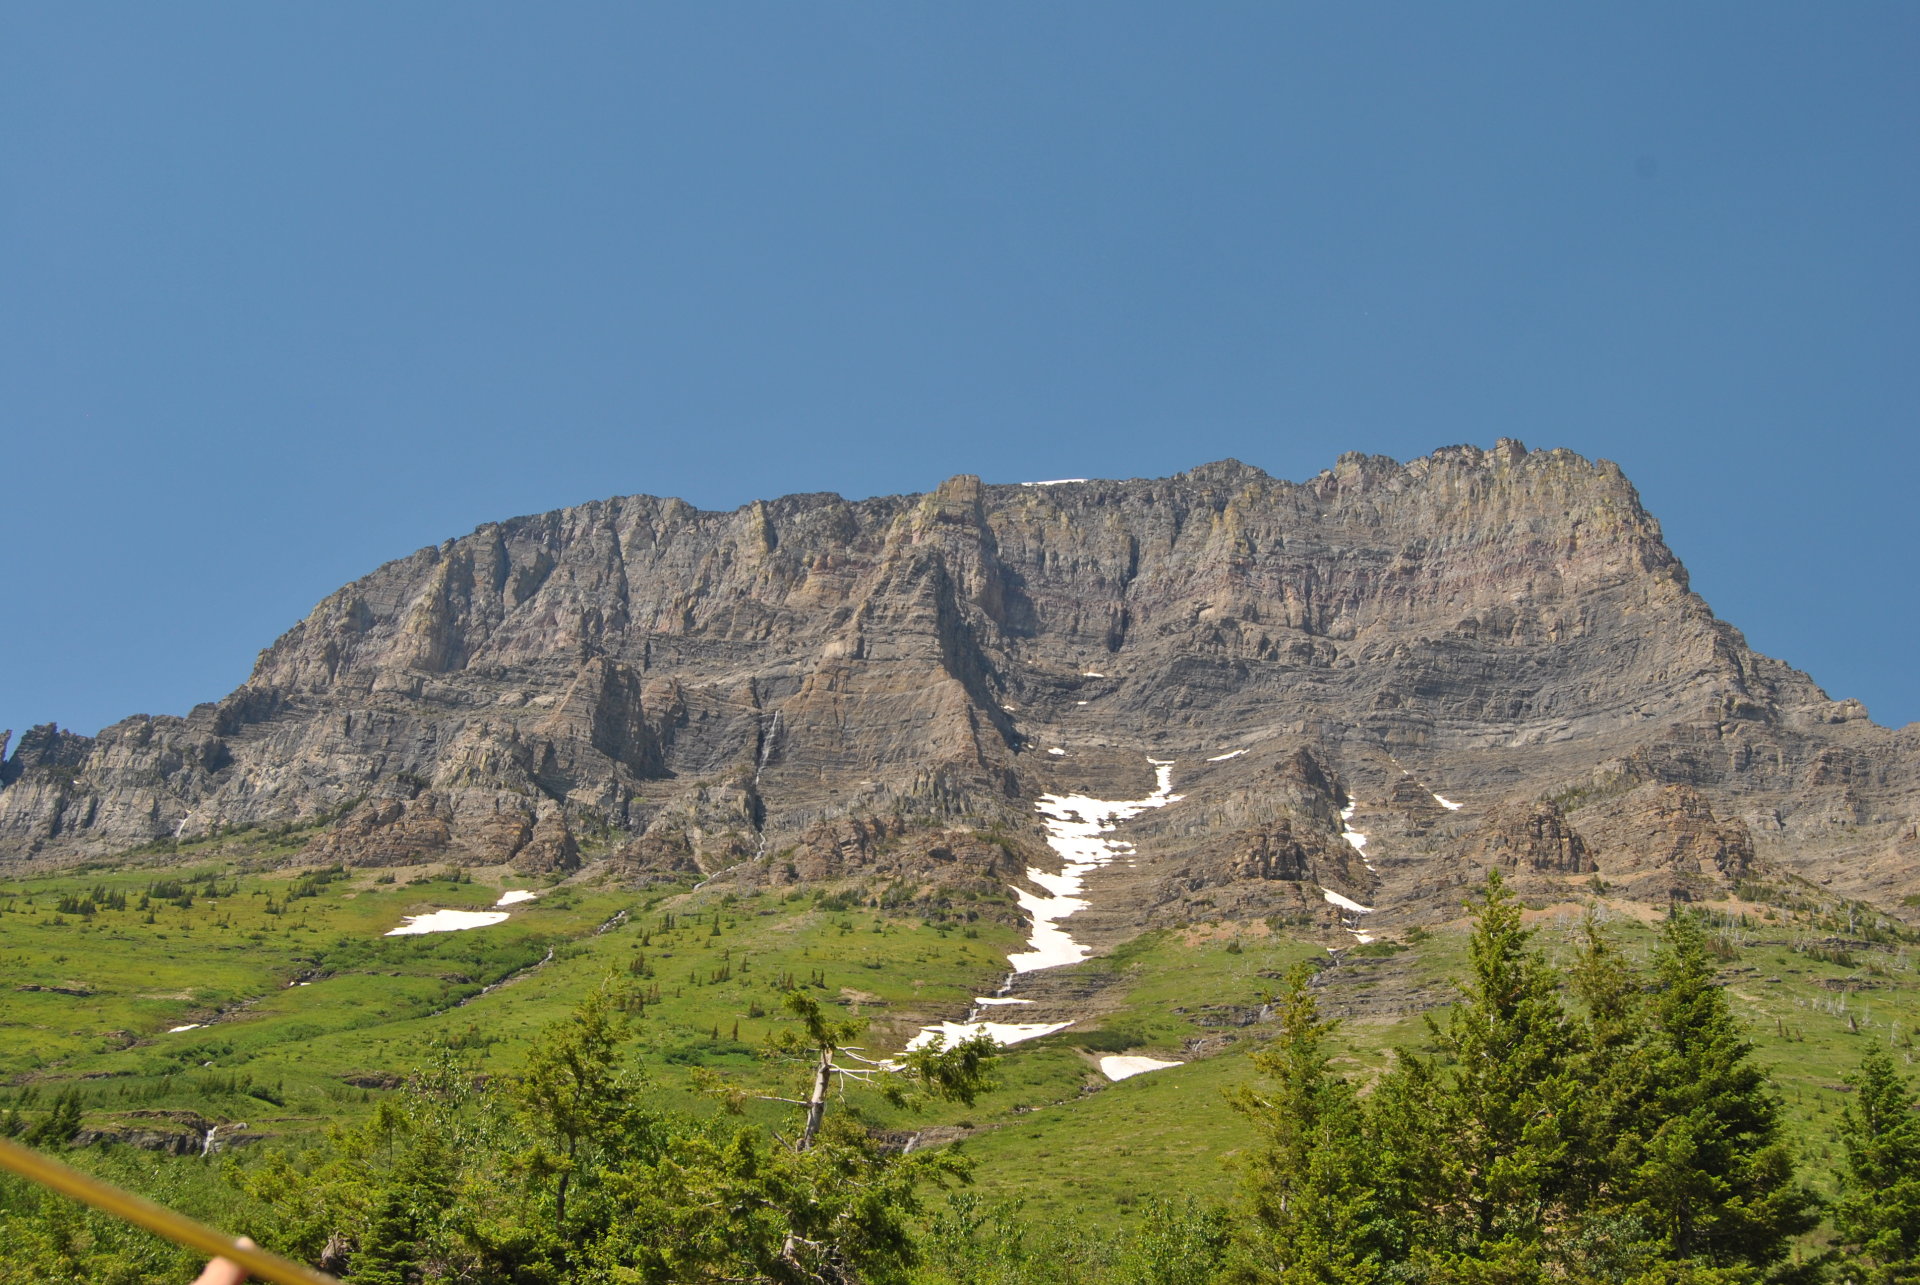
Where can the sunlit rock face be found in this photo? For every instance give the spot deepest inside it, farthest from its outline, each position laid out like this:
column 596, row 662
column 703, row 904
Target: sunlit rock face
column 811, row 687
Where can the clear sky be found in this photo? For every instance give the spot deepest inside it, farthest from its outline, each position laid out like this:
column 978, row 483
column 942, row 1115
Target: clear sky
column 287, row 290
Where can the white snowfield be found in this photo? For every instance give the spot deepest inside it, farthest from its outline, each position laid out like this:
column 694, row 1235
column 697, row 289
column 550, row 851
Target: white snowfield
column 1345, row 903
column 1002, row 1032
column 515, row 898
column 449, row 921
column 1058, row 481
column 1221, row 758
column 190, row 1026
column 1075, row 826
column 1446, row 803
column 1348, row 903
column 1078, row 828
column 1355, row 840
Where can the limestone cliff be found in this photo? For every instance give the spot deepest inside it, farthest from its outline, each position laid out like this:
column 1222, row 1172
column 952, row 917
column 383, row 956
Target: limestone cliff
column 811, row 684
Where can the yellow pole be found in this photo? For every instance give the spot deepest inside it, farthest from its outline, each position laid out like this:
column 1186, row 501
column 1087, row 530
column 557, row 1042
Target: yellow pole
column 155, row 1218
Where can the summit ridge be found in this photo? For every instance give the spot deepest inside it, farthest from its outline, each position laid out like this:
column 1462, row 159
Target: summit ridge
column 1479, row 657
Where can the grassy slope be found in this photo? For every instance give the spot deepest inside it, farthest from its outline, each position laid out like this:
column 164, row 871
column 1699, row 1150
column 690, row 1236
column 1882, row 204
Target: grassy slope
column 1056, row 1135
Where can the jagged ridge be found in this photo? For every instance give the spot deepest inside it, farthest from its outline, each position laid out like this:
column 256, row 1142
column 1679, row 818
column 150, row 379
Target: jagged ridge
column 802, row 685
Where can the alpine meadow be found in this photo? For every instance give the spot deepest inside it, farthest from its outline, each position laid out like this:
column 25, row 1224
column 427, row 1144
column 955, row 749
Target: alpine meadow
column 1395, row 876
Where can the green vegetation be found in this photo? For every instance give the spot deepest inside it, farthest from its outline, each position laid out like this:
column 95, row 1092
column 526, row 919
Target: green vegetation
column 1069, row 1177
column 1621, row 1133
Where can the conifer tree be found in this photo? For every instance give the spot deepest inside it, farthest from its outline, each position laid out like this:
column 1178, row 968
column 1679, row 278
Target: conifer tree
column 1479, row 1143
column 1878, row 1215
column 1604, row 1117
column 404, row 1216
column 59, row 1125
column 1715, row 1182
column 1312, row 1218
column 576, row 1097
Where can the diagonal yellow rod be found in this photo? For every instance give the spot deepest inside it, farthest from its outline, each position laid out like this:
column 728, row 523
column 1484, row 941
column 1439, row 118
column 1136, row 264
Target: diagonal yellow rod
column 158, row 1219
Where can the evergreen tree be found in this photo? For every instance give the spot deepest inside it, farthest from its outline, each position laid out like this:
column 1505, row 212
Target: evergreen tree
column 398, row 1244
column 1714, row 1182
column 59, row 1125
column 1311, row 1216
column 576, row 1097
column 1478, row 1143
column 1606, row 1117
column 1878, row 1215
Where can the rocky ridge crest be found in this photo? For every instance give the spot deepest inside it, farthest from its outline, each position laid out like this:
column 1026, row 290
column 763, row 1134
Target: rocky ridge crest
column 810, row 687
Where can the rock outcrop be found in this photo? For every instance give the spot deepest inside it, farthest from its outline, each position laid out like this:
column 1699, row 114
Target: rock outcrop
column 1532, row 837
column 830, row 686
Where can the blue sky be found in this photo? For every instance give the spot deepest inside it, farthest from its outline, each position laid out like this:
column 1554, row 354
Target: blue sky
column 289, row 290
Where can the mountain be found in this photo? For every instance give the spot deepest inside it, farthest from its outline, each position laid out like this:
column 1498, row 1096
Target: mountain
column 1480, row 657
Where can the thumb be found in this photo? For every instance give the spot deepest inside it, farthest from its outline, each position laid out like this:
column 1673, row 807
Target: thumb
column 224, row 1272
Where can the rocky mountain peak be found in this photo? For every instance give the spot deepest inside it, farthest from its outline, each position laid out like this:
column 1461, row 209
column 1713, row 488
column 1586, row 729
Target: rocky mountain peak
column 638, row 680
column 1228, row 472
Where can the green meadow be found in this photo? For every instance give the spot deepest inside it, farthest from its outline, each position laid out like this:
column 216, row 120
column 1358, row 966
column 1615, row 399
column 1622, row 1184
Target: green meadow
column 301, row 1012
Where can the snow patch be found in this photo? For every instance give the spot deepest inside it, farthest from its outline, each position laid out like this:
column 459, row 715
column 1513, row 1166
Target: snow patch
column 1090, row 674
column 448, row 921
column 1355, row 840
column 190, row 1026
column 1058, row 481
column 1056, row 750
column 1002, row 1032
column 1119, row 1068
column 1078, row 829
column 1345, row 903
column 1075, row 825
column 1221, row 758
column 515, row 897
column 1448, row 804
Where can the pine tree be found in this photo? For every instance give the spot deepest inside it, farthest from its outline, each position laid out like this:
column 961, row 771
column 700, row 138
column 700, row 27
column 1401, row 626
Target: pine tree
column 1493, row 1124
column 1604, row 1116
column 59, row 1125
column 576, row 1096
column 1715, row 1182
column 404, row 1215
column 1878, row 1215
column 1312, row 1218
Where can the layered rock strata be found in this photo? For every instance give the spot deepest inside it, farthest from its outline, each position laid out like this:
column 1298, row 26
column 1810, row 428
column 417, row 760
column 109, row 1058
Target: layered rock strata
column 812, row 687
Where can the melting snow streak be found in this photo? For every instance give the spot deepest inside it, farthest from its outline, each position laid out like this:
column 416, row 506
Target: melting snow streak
column 1078, row 828
column 1075, row 826
column 1345, row 903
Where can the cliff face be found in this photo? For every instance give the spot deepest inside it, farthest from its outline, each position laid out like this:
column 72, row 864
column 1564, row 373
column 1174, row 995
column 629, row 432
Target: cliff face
column 713, row 690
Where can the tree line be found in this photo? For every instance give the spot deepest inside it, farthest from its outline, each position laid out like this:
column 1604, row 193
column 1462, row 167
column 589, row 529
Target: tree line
column 1599, row 1124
